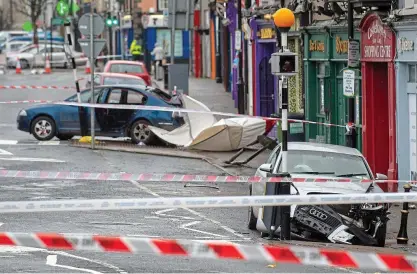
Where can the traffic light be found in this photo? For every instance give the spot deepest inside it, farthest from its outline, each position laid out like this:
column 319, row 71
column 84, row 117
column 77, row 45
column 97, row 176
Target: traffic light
column 115, row 21
column 284, row 64
column 109, row 22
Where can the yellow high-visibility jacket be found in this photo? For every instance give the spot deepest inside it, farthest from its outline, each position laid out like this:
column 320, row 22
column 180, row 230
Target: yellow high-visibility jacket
column 135, row 49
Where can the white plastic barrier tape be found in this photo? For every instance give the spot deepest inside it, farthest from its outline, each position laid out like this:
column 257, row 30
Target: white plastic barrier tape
column 172, row 109
column 217, row 250
column 26, row 102
column 35, row 87
column 202, row 202
column 170, row 177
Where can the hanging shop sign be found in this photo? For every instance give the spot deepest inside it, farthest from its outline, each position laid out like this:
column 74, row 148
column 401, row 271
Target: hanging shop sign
column 316, row 45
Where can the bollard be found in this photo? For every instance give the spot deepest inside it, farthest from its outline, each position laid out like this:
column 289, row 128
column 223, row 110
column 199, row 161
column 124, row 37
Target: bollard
column 402, row 237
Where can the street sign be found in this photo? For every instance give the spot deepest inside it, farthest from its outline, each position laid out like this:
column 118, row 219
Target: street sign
column 98, row 45
column 353, row 53
column 84, row 24
column 145, row 21
column 62, row 8
column 349, row 83
column 238, row 40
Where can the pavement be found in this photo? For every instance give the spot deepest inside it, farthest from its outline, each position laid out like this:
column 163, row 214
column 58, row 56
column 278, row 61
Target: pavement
column 200, row 224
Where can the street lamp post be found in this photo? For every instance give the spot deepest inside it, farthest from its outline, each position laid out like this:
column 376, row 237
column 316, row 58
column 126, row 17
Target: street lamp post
column 284, row 64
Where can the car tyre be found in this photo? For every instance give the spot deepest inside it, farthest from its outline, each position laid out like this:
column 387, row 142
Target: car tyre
column 64, row 137
column 251, row 217
column 43, row 128
column 24, row 64
column 139, row 132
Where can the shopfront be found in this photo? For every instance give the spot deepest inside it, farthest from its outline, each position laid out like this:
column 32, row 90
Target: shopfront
column 406, row 94
column 326, row 56
column 378, row 48
column 265, row 95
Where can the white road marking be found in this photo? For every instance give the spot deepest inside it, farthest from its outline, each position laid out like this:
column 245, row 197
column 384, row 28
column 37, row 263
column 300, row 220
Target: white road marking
column 24, row 159
column 228, row 229
column 8, row 142
column 186, row 226
column 49, row 143
column 51, row 260
column 4, row 152
column 162, row 213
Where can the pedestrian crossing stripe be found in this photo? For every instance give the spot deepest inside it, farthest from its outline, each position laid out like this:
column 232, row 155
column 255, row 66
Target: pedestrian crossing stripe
column 41, row 143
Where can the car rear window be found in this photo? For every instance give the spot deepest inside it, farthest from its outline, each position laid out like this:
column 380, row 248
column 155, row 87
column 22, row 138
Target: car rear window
column 123, row 81
column 126, row 68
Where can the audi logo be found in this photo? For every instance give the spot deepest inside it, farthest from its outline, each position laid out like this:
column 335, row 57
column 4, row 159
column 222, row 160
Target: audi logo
column 318, row 214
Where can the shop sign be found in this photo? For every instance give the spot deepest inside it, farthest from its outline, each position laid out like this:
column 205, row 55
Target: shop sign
column 378, row 42
column 353, row 54
column 349, row 83
column 341, row 45
column 316, row 45
column 404, row 45
column 266, row 33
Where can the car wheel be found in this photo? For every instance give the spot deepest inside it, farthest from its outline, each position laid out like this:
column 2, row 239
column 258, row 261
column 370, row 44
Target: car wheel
column 139, row 132
column 251, row 217
column 64, row 137
column 24, row 64
column 43, row 128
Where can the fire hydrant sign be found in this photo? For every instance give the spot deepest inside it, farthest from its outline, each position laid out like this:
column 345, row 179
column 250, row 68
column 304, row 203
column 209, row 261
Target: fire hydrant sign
column 349, row 83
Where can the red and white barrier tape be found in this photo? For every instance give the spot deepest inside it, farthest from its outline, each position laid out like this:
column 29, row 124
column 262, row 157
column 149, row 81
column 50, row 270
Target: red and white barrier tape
column 171, row 109
column 202, row 202
column 217, row 250
column 35, row 87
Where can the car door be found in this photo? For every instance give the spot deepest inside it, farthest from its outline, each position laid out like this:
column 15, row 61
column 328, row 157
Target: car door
column 58, row 56
column 259, row 188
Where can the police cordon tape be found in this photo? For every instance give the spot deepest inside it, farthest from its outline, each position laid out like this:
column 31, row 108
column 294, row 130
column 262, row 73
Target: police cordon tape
column 201, row 202
column 25, row 102
column 167, row 177
column 217, row 250
column 35, row 87
column 182, row 110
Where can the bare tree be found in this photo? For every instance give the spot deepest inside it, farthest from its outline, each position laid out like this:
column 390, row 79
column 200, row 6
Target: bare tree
column 5, row 21
column 32, row 9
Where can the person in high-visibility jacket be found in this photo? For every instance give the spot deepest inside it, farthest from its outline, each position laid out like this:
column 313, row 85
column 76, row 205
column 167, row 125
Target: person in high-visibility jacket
column 136, row 49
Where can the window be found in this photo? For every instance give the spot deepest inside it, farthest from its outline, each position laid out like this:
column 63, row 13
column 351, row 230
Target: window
column 162, row 4
column 114, row 97
column 135, row 98
column 412, row 69
column 274, row 156
column 329, row 163
column 123, row 81
column 85, row 96
column 126, row 68
column 58, row 49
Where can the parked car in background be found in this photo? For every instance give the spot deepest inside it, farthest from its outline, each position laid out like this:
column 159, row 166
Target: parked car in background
column 129, row 67
column 45, row 121
column 363, row 224
column 6, row 36
column 115, row 79
column 14, row 46
column 35, row 55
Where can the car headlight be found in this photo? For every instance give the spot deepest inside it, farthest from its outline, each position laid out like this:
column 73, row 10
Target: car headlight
column 23, row 113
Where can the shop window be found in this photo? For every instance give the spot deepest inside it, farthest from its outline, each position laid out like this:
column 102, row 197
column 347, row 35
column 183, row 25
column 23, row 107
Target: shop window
column 412, row 69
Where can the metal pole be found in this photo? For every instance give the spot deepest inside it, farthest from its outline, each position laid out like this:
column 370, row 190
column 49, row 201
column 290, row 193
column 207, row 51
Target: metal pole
column 122, row 45
column 285, row 187
column 351, row 134
column 174, row 7
column 402, row 237
column 218, row 50
column 240, row 91
column 92, row 111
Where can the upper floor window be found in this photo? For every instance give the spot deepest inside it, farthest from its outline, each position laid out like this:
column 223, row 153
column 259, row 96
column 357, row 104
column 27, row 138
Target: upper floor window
column 162, row 4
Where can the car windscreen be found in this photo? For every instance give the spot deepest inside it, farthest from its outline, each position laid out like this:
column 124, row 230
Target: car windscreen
column 160, row 94
column 326, row 163
column 126, row 68
column 123, row 81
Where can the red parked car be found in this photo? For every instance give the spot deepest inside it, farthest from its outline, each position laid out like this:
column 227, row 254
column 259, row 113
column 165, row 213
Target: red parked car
column 129, row 67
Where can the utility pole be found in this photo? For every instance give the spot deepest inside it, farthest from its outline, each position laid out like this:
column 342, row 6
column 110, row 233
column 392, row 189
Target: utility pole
column 351, row 130
column 238, row 47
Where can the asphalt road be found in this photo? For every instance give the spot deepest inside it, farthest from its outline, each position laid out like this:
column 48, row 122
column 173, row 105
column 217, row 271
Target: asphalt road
column 219, row 224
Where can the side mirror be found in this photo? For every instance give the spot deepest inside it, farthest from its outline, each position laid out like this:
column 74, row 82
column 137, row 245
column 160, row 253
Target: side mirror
column 266, row 168
column 380, row 176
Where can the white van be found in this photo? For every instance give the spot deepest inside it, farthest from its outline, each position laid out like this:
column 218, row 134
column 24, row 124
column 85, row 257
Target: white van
column 5, row 36
column 14, row 46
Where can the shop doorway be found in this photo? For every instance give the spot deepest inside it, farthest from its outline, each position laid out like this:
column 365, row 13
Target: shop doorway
column 376, row 116
column 266, row 92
